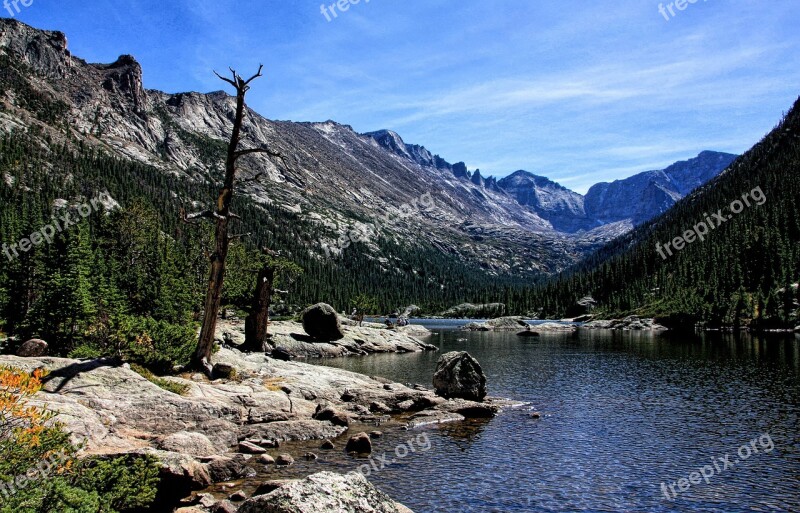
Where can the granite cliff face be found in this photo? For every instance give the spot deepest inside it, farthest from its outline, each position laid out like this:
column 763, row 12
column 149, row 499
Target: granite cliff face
column 332, row 176
column 646, row 195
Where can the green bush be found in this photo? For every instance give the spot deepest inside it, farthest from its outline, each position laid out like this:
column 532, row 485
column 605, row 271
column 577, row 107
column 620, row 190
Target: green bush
column 169, row 386
column 39, row 469
column 156, row 345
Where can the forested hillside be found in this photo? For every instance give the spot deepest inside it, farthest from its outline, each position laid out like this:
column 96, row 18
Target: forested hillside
column 139, row 260
column 746, row 269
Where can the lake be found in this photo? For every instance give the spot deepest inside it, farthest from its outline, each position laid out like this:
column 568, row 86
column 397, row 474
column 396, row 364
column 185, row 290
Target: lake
column 621, row 413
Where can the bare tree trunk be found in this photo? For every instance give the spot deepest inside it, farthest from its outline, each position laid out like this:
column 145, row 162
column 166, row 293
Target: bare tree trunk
column 222, row 239
column 257, row 323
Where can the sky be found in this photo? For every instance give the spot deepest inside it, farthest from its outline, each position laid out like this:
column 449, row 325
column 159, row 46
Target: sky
column 578, row 91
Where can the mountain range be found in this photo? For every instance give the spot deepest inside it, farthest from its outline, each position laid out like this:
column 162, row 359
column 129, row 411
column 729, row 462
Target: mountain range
column 328, row 175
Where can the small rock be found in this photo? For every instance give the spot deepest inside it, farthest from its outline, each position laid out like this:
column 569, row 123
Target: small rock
column 198, row 377
column 310, row 456
column 282, row 354
column 223, row 371
column 284, row 460
column 224, row 507
column 33, row 348
column 266, row 459
column 183, row 442
column 536, row 415
column 376, row 434
column 360, row 410
column 327, row 445
column 379, row 407
column 251, row 448
column 406, row 405
column 207, row 500
column 360, row 444
column 270, row 486
column 239, row 496
column 222, row 469
column 327, row 412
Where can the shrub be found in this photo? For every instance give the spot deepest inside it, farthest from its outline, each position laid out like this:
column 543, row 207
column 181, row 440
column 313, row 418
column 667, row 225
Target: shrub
column 39, row 470
column 156, row 345
column 169, row 386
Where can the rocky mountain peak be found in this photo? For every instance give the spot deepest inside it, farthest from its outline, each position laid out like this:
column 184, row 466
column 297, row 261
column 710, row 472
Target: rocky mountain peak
column 552, row 201
column 124, row 77
column 44, row 51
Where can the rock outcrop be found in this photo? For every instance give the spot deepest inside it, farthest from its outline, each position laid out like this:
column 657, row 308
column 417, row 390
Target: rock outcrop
column 325, row 492
column 459, row 375
column 473, row 311
column 112, row 409
column 288, row 340
column 632, row 323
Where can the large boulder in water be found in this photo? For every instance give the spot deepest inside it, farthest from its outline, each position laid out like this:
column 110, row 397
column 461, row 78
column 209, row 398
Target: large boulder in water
column 506, row 324
column 325, row 492
column 321, row 322
column 32, row 348
column 459, row 375
column 359, row 443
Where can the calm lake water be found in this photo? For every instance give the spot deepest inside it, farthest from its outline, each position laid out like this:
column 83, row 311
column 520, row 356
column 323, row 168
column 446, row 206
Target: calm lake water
column 622, row 413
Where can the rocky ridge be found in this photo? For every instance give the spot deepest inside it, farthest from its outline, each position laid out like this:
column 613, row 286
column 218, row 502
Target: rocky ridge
column 331, row 176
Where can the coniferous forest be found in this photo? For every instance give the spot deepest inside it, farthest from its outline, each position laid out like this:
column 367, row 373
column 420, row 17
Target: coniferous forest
column 745, row 272
column 137, row 265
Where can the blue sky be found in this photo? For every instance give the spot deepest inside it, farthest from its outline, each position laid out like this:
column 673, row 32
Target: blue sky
column 580, row 92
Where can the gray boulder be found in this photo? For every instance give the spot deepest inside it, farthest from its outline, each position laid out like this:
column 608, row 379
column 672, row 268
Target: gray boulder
column 321, row 322
column 506, row 324
column 328, row 413
column 325, row 492
column 247, row 447
column 195, row 444
column 222, row 468
column 459, row 375
column 359, row 443
column 32, row 348
column 284, row 460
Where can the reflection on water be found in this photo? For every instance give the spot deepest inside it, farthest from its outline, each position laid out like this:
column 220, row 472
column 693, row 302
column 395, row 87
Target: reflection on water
column 622, row 413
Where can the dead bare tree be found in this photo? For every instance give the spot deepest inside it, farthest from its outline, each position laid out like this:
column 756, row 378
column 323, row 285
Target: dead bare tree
column 257, row 322
column 274, row 268
column 221, row 215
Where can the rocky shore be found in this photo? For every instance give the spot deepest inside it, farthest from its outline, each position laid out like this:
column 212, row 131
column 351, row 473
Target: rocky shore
column 517, row 324
column 289, row 339
column 631, row 323
column 218, row 431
